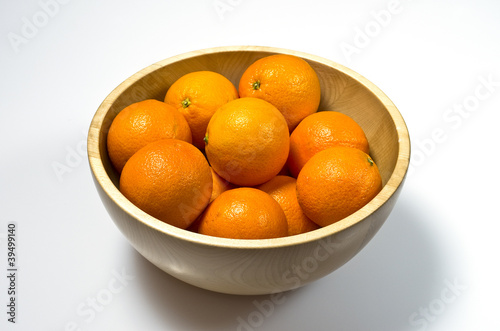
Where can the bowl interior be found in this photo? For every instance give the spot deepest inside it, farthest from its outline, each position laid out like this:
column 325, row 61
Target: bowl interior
column 342, row 90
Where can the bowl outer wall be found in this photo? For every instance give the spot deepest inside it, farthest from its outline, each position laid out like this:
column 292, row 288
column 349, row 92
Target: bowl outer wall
column 247, row 271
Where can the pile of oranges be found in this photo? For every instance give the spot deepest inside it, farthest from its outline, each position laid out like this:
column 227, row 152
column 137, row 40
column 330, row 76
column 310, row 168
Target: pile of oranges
column 255, row 162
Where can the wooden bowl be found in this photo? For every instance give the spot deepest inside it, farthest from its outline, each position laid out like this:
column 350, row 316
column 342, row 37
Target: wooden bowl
column 260, row 266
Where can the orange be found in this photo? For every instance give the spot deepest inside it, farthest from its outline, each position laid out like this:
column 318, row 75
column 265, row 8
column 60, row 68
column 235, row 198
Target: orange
column 283, row 189
column 335, row 183
column 286, row 81
column 169, row 179
column 320, row 131
column 244, row 213
column 141, row 123
column 197, row 95
column 195, row 225
column 219, row 185
column 247, row 141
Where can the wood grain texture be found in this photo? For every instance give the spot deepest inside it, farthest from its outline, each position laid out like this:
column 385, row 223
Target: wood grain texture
column 254, row 266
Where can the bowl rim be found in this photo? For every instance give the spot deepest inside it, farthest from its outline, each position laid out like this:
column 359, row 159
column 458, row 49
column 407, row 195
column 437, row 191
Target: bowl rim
column 99, row 172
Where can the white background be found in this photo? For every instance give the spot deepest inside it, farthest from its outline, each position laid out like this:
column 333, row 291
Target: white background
column 433, row 265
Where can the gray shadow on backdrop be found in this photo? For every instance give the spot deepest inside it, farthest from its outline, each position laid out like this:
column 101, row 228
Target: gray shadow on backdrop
column 395, row 274
column 185, row 307
column 399, row 271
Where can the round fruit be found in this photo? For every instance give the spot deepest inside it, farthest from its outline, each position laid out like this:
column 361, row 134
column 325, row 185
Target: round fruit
column 283, row 189
column 244, row 213
column 219, row 185
column 288, row 82
column 140, row 124
column 247, row 141
column 195, row 225
column 197, row 95
column 169, row 179
column 335, row 183
column 320, row 131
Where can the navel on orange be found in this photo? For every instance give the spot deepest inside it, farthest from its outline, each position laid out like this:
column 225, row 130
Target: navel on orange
column 320, row 131
column 168, row 179
column 244, row 213
column 140, row 124
column 286, row 81
column 335, row 183
column 247, row 141
column 197, row 95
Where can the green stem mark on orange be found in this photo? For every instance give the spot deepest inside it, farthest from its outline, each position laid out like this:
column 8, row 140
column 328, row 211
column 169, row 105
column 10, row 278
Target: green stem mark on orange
column 256, row 85
column 205, row 139
column 370, row 161
column 185, row 103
